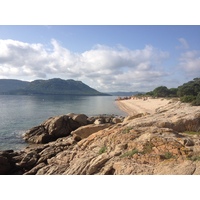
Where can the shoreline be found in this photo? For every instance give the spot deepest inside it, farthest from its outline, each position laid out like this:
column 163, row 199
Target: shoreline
column 129, row 107
column 135, row 106
column 146, row 140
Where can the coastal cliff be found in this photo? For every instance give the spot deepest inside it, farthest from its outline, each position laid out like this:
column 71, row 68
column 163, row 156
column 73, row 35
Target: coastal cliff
column 164, row 141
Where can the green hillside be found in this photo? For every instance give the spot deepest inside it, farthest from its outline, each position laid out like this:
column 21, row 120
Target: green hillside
column 54, row 86
column 188, row 92
column 9, row 85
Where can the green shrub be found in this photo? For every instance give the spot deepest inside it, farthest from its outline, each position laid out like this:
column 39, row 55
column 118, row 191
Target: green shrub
column 168, row 155
column 194, row 158
column 147, row 148
column 130, row 153
column 161, row 91
column 192, row 132
column 196, row 102
column 188, row 98
column 102, row 150
column 173, row 92
column 150, row 93
column 127, row 130
column 189, row 88
column 188, row 92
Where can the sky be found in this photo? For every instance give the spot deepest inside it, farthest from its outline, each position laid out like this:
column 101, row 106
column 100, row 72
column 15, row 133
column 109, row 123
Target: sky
column 108, row 58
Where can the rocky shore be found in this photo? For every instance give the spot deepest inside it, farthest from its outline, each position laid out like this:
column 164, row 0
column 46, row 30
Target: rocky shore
column 163, row 141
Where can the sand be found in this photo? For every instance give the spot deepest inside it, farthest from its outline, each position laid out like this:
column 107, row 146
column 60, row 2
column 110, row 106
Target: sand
column 134, row 106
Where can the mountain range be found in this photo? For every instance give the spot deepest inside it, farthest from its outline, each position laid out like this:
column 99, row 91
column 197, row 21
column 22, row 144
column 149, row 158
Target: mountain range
column 54, row 86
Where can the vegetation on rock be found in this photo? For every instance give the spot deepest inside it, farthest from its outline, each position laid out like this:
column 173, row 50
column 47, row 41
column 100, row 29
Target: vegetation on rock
column 168, row 155
column 102, row 150
column 130, row 153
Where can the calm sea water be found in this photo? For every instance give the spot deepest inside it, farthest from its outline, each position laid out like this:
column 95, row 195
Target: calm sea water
column 20, row 113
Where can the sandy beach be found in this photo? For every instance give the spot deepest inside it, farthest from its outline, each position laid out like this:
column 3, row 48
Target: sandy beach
column 134, row 106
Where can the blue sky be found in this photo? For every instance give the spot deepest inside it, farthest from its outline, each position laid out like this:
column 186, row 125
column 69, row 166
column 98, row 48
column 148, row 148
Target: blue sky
column 107, row 58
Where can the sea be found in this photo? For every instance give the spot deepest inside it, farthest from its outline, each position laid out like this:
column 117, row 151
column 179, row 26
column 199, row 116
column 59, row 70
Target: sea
column 19, row 113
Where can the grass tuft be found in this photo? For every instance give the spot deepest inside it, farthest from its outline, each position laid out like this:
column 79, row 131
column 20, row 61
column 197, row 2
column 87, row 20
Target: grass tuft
column 130, row 153
column 192, row 132
column 147, row 148
column 168, row 155
column 102, row 150
column 194, row 158
column 127, row 130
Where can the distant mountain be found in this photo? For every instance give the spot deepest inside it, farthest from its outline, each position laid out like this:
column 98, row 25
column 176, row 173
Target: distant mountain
column 10, row 85
column 54, row 86
column 125, row 93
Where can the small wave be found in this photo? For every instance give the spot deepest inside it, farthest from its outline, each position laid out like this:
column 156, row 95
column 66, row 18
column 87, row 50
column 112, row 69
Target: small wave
column 13, row 141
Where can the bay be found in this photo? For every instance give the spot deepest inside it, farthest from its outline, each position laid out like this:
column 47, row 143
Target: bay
column 19, row 113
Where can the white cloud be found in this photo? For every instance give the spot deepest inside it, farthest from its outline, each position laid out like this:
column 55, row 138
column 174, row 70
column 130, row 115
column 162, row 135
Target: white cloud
column 184, row 44
column 102, row 67
column 190, row 63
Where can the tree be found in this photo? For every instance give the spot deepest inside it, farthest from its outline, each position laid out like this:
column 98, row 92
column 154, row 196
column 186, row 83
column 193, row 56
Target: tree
column 150, row 93
column 161, row 91
column 196, row 102
column 189, row 88
column 173, row 92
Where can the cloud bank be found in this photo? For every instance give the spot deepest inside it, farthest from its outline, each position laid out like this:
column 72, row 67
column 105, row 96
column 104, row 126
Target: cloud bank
column 190, row 63
column 102, row 67
column 189, row 60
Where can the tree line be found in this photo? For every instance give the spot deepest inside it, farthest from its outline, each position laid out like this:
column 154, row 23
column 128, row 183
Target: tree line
column 188, row 92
